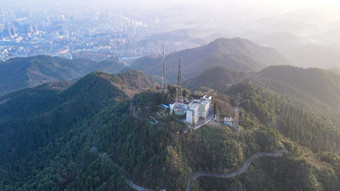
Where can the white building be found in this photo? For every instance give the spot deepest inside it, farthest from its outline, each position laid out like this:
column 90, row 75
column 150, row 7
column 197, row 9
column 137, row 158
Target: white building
column 205, row 106
column 178, row 108
column 192, row 113
column 228, row 121
column 194, row 110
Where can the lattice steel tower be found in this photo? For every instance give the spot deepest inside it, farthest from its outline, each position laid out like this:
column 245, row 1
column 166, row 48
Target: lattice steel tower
column 179, row 93
column 237, row 110
column 164, row 85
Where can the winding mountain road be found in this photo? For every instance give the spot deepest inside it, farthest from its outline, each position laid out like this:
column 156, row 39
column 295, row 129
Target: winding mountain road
column 134, row 186
column 200, row 174
column 242, row 170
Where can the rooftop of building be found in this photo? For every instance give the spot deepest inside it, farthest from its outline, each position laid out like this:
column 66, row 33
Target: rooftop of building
column 194, row 105
column 228, row 119
column 191, row 103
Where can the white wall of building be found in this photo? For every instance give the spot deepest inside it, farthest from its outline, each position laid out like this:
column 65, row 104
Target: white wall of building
column 189, row 116
column 195, row 109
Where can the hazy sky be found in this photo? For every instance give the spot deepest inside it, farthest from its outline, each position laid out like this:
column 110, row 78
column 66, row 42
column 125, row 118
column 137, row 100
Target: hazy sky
column 316, row 12
column 252, row 7
column 156, row 3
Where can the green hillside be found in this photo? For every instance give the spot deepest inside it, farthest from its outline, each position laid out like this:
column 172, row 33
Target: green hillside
column 295, row 110
column 320, row 84
column 86, row 136
column 46, row 109
column 306, row 127
column 18, row 73
column 291, row 83
column 236, row 54
column 217, row 77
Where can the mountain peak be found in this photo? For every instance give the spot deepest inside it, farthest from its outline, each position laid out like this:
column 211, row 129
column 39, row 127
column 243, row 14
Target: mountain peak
column 236, row 54
column 219, row 78
column 231, row 40
column 18, row 73
column 130, row 82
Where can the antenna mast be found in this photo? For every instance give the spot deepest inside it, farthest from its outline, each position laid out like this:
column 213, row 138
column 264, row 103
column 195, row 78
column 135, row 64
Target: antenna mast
column 237, row 110
column 179, row 95
column 164, row 86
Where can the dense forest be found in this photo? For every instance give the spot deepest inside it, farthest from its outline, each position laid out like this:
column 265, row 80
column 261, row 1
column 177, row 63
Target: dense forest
column 306, row 127
column 218, row 78
column 18, row 73
column 92, row 134
column 321, row 84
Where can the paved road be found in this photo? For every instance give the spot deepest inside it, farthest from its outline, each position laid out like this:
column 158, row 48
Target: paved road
column 242, row 170
column 199, row 174
column 134, row 113
column 134, row 186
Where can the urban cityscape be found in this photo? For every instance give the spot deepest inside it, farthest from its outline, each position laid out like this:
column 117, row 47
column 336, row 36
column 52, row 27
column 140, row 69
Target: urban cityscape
column 84, row 33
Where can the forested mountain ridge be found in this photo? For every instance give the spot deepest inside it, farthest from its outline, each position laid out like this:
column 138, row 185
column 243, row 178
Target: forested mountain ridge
column 321, row 84
column 236, row 54
column 293, row 108
column 97, row 151
column 300, row 124
column 314, row 88
column 47, row 107
column 92, row 133
column 217, row 77
column 18, row 73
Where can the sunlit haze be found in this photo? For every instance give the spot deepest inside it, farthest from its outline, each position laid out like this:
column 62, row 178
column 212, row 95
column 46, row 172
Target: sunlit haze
column 280, row 24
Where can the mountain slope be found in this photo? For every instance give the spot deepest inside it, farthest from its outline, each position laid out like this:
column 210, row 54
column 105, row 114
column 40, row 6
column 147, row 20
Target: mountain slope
column 48, row 109
column 236, row 54
column 18, row 73
column 217, row 77
column 320, row 56
column 311, row 89
column 279, row 95
column 221, row 79
column 89, row 138
column 98, row 150
column 301, row 124
column 321, row 84
column 335, row 71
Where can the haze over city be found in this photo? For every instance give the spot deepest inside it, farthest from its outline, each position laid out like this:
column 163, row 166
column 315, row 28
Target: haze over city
column 277, row 24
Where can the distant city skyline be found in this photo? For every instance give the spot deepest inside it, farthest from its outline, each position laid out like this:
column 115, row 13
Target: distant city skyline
column 179, row 3
column 101, row 29
column 234, row 10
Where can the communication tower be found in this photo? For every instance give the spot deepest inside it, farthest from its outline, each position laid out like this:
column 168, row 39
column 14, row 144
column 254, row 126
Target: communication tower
column 164, row 85
column 179, row 93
